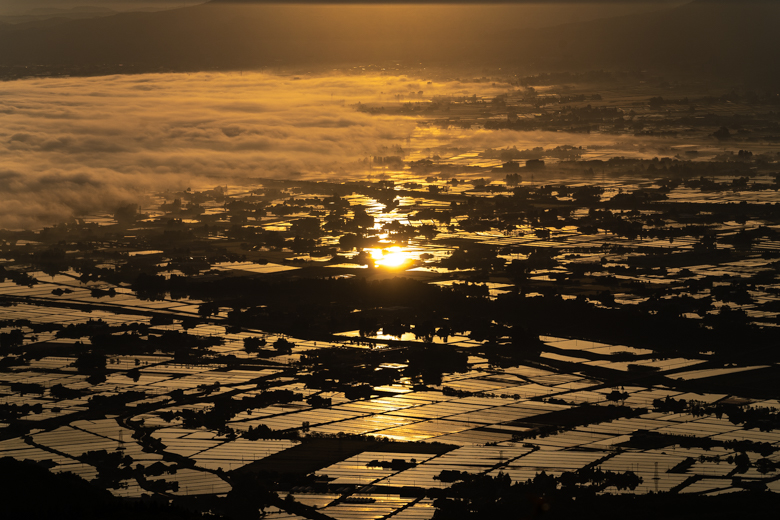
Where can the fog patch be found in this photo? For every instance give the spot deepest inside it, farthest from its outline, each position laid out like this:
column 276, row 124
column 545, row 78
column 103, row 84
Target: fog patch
column 75, row 146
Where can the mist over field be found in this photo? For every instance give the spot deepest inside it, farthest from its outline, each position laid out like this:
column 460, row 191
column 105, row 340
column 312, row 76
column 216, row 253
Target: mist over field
column 73, row 146
column 76, row 146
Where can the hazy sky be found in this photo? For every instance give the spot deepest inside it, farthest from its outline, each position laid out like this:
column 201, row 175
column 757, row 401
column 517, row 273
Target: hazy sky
column 22, row 6
column 594, row 8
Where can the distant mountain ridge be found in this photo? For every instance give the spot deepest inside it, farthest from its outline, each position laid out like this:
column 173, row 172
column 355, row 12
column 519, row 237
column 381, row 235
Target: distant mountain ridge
column 705, row 35
column 77, row 9
column 47, row 13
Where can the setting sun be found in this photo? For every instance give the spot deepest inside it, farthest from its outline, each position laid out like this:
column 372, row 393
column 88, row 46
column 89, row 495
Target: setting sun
column 391, row 258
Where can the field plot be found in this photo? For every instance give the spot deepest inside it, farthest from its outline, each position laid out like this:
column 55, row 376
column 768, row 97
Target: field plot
column 472, row 459
column 550, row 462
column 361, row 470
column 419, row 510
column 239, row 452
column 379, row 507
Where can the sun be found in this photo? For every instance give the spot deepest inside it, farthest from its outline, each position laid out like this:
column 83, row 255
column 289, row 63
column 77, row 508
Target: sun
column 391, row 258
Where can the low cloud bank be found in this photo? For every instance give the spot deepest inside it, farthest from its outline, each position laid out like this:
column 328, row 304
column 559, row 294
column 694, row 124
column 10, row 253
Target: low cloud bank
column 79, row 146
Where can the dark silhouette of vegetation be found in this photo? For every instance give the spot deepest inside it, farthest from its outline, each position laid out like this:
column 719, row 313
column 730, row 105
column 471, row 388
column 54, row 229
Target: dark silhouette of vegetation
column 483, row 496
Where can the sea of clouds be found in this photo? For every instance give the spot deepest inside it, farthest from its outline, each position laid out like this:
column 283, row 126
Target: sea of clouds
column 74, row 146
column 79, row 146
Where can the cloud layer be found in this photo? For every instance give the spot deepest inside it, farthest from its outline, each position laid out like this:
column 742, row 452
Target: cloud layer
column 78, row 146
